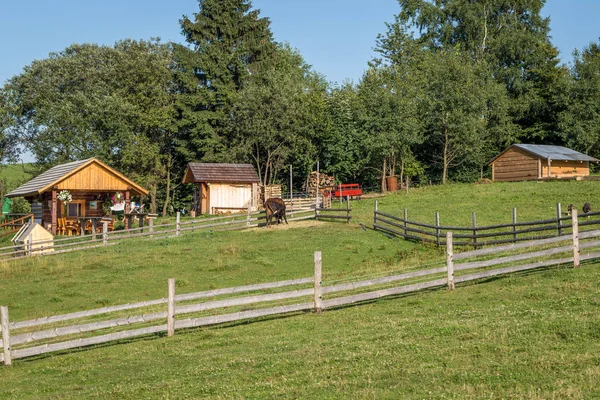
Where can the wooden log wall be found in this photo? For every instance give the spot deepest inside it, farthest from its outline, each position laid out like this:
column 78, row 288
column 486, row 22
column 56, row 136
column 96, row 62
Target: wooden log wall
column 515, row 165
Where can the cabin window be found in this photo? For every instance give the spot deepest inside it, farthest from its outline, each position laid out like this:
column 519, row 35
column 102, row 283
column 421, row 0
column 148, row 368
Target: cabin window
column 74, row 209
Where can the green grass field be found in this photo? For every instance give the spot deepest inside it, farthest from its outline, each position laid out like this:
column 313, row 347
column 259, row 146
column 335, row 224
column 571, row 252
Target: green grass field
column 14, row 174
column 534, row 335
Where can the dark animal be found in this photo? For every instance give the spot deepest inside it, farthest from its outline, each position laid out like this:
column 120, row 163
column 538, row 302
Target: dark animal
column 570, row 209
column 275, row 207
column 587, row 208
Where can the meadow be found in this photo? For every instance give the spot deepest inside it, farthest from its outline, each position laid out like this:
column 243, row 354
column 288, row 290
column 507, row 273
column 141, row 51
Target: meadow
column 14, row 175
column 533, row 335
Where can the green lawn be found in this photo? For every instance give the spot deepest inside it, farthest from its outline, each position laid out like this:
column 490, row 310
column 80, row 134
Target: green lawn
column 14, row 174
column 534, row 335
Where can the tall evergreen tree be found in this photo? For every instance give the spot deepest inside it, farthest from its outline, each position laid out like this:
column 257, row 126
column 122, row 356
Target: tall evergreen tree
column 229, row 45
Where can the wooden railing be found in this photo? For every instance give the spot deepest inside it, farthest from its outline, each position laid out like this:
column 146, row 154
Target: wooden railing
column 478, row 236
column 66, row 244
column 14, row 223
column 19, row 340
column 334, row 213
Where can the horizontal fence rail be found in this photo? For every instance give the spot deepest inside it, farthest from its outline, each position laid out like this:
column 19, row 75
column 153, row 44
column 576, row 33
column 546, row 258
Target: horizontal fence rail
column 479, row 236
column 60, row 245
column 180, row 314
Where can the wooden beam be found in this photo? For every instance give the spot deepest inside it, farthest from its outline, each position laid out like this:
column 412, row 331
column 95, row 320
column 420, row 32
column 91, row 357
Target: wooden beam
column 127, row 208
column 54, row 212
column 171, row 308
column 5, row 335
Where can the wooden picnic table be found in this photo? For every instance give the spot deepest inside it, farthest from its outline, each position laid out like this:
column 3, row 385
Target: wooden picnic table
column 94, row 220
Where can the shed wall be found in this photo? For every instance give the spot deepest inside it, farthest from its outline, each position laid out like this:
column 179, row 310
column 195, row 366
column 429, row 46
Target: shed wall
column 226, row 197
column 515, row 165
column 566, row 169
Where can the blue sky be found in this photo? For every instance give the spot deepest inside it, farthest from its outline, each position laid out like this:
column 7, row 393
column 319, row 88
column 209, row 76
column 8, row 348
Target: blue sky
column 335, row 36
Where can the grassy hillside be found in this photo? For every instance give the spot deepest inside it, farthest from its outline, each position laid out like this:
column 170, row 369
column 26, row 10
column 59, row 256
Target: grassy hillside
column 532, row 335
column 526, row 336
column 493, row 203
column 14, row 174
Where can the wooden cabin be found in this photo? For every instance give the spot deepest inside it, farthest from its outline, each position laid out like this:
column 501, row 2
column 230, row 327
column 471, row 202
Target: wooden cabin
column 524, row 162
column 222, row 188
column 90, row 182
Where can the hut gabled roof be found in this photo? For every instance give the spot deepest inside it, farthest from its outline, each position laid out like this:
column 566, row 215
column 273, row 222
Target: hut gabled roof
column 545, row 151
column 220, row 172
column 48, row 179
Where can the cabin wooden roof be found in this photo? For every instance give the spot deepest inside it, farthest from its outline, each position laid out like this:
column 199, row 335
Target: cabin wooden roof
column 59, row 173
column 544, row 151
column 220, row 172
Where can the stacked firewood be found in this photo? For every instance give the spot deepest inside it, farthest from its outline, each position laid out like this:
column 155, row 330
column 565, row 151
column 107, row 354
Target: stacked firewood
column 325, row 182
column 271, row 191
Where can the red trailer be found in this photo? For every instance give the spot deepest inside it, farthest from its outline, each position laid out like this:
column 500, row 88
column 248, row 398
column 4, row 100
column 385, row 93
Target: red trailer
column 352, row 190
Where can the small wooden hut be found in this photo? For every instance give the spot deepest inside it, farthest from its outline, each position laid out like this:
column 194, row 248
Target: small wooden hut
column 90, row 183
column 222, row 188
column 33, row 237
column 522, row 162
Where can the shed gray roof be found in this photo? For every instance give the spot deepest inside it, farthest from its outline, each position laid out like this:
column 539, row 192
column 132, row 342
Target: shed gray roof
column 557, row 153
column 46, row 178
column 220, row 172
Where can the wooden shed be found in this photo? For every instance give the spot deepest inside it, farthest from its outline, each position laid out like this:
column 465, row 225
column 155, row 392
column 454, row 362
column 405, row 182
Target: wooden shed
column 90, row 183
column 523, row 162
column 222, row 188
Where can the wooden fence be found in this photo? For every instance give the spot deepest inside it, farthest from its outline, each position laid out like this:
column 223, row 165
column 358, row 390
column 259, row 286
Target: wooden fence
column 66, row 244
column 11, row 223
column 334, row 213
column 307, row 202
column 175, row 312
column 478, row 236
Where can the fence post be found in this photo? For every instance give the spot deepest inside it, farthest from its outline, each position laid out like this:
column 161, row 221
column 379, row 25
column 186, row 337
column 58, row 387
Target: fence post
column 178, row 224
column 347, row 209
column 437, row 229
column 151, row 226
column 558, row 216
column 450, row 260
column 318, row 178
column 474, row 218
column 105, row 232
column 575, row 224
column 405, row 223
column 375, row 216
column 5, row 335
column 171, row 309
column 515, row 225
column 30, row 245
column 247, row 216
column 318, row 278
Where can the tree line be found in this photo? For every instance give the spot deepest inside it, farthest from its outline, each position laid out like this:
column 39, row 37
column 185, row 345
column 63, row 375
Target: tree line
column 453, row 83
